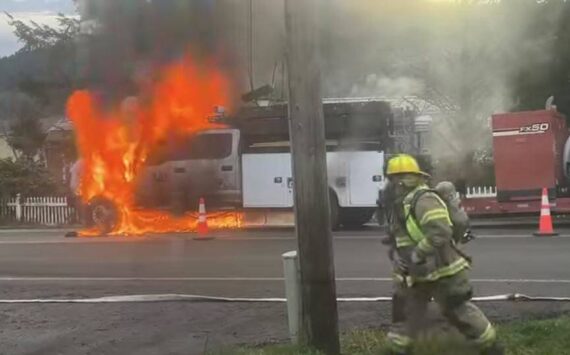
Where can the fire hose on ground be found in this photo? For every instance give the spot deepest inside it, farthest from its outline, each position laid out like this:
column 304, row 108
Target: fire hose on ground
column 201, row 298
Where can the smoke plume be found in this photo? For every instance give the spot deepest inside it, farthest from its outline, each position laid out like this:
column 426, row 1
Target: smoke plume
column 459, row 56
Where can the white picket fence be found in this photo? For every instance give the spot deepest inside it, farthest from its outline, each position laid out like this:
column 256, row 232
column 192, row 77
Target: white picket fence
column 481, row 191
column 46, row 211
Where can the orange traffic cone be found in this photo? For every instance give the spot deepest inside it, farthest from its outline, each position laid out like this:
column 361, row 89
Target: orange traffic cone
column 202, row 222
column 545, row 225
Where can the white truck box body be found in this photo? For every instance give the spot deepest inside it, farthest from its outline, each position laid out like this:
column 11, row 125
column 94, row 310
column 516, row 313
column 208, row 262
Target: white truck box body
column 267, row 178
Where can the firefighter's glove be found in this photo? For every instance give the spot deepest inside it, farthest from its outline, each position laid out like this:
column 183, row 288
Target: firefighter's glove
column 401, row 264
column 467, row 237
column 418, row 257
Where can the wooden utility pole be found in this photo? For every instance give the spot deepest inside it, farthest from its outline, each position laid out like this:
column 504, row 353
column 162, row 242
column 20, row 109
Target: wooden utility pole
column 319, row 327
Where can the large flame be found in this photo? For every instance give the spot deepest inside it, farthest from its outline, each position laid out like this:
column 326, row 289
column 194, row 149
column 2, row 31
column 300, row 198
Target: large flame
column 115, row 142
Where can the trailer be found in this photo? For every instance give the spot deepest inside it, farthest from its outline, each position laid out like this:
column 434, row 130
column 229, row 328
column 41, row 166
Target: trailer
column 531, row 151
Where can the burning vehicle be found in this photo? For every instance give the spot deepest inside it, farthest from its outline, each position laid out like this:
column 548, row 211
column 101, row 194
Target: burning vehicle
column 148, row 161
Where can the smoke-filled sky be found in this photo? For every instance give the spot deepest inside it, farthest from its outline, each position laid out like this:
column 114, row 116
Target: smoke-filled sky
column 460, row 55
column 41, row 11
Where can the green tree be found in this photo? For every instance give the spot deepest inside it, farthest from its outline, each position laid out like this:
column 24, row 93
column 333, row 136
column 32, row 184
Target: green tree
column 49, row 71
column 549, row 72
column 23, row 130
column 26, row 137
column 25, row 178
column 36, row 36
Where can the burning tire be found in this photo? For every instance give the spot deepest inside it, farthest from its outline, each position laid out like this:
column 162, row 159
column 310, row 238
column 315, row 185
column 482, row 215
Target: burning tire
column 103, row 215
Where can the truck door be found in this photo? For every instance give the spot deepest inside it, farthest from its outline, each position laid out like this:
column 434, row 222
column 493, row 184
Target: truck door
column 266, row 180
column 206, row 164
column 365, row 178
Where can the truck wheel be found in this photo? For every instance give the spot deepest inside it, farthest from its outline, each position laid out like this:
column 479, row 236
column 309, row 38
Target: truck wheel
column 103, row 215
column 355, row 217
column 334, row 211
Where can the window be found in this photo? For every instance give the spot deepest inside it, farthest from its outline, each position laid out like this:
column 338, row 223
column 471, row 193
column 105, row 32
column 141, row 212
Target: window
column 204, row 146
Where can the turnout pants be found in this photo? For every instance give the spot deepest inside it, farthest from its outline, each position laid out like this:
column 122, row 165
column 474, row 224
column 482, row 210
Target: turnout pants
column 452, row 295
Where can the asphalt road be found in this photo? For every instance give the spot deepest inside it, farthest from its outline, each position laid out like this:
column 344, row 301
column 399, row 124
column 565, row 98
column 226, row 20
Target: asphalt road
column 38, row 264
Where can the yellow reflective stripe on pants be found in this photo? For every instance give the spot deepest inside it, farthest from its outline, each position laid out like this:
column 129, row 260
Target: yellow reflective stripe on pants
column 402, row 242
column 406, row 280
column 437, row 213
column 449, row 270
column 398, row 277
column 488, row 337
column 399, row 342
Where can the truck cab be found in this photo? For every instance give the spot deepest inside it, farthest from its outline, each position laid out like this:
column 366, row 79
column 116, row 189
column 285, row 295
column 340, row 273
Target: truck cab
column 188, row 167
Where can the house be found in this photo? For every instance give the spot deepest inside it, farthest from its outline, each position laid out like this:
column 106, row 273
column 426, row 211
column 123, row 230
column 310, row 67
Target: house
column 59, row 146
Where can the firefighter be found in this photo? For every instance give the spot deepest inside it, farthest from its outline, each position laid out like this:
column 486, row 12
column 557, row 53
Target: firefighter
column 428, row 266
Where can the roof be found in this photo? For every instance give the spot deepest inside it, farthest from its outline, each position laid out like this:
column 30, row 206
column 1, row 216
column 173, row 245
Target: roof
column 61, row 125
column 60, row 131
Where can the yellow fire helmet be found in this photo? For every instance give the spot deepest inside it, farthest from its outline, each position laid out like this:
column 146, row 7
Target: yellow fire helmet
column 404, row 164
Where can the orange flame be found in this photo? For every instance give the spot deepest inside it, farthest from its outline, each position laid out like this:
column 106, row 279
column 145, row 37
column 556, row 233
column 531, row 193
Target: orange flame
column 115, row 143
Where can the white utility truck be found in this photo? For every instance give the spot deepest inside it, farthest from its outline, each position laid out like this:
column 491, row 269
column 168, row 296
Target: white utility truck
column 228, row 177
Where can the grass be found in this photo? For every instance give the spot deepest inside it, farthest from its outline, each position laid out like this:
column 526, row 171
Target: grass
column 543, row 337
column 547, row 337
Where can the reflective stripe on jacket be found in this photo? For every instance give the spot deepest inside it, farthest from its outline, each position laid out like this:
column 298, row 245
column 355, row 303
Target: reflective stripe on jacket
column 431, row 233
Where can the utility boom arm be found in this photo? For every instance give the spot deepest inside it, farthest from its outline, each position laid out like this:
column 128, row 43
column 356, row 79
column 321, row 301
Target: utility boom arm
column 369, row 121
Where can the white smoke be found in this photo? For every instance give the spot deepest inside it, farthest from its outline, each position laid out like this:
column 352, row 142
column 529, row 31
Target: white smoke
column 382, row 86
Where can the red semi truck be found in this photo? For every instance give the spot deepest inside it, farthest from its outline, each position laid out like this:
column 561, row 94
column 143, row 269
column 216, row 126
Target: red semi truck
column 531, row 151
